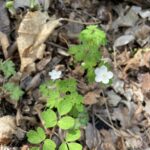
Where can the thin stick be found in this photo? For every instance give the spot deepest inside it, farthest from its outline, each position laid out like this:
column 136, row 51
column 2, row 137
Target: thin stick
column 56, row 45
column 79, row 22
column 116, row 131
column 108, row 113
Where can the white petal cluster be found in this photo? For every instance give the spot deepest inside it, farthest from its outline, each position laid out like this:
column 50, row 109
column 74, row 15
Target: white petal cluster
column 103, row 75
column 55, row 74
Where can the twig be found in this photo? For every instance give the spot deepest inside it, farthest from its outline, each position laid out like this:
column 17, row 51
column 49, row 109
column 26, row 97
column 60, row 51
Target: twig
column 39, row 115
column 108, row 113
column 79, row 22
column 56, row 45
column 116, row 131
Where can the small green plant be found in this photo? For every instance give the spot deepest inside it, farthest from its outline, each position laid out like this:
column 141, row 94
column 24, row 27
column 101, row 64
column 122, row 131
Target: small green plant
column 38, row 136
column 62, row 96
column 10, row 6
column 64, row 108
column 87, row 52
column 33, row 5
column 8, row 69
column 13, row 90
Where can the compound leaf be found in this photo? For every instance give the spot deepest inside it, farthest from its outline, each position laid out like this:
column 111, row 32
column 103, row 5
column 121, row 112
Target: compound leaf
column 8, row 68
column 49, row 145
column 63, row 146
column 49, row 117
column 36, row 137
column 73, row 135
column 74, row 146
column 14, row 91
column 64, row 107
column 66, row 122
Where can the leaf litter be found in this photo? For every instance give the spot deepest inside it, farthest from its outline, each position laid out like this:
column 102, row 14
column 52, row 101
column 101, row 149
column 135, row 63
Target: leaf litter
column 119, row 114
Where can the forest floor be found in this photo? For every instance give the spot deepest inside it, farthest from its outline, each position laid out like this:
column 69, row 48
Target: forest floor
column 119, row 113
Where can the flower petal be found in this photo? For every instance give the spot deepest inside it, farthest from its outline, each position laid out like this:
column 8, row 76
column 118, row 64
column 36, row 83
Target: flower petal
column 101, row 70
column 98, row 78
column 97, row 71
column 109, row 74
column 54, row 74
column 105, row 81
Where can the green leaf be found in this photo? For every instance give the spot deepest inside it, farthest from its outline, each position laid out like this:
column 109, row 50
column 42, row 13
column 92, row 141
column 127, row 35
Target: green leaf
column 36, row 137
column 9, row 4
column 53, row 98
column 49, row 145
column 49, row 117
column 80, row 107
column 73, row 135
column 63, row 146
column 44, row 90
column 71, row 146
column 68, row 85
column 78, row 51
column 8, row 68
column 34, row 148
column 90, row 75
column 74, row 97
column 66, row 122
column 92, row 34
column 74, row 146
column 14, row 90
column 64, row 107
column 87, row 51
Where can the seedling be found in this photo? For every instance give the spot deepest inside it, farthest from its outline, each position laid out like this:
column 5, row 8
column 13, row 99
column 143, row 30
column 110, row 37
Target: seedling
column 64, row 107
column 10, row 6
column 33, row 5
column 87, row 52
column 8, row 69
column 62, row 96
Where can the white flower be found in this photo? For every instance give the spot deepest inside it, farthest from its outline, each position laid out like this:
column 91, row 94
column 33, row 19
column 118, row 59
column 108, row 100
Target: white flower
column 103, row 75
column 54, row 74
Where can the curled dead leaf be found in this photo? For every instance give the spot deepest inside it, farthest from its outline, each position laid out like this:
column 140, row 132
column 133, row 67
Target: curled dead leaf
column 33, row 31
column 141, row 58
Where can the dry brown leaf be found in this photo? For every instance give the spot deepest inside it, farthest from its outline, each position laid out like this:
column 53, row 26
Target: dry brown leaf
column 141, row 58
column 25, row 147
column 123, row 58
column 7, row 129
column 91, row 98
column 33, row 31
column 78, row 71
column 92, row 136
column 4, row 43
column 108, row 139
column 120, row 144
column 145, row 82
